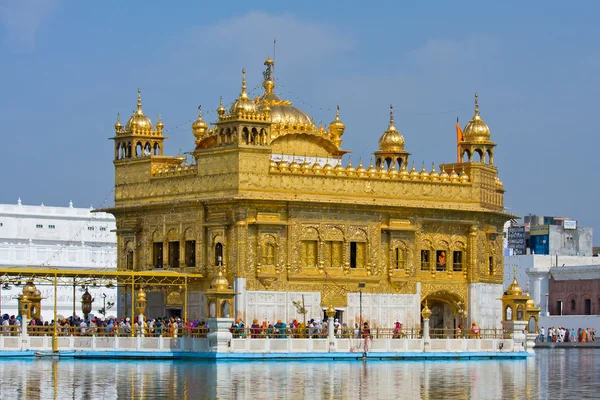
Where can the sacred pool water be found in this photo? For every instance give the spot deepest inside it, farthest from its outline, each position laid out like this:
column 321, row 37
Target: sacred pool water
column 553, row 373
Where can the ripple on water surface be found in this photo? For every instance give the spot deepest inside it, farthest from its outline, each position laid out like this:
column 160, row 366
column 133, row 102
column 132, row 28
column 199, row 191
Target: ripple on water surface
column 553, row 373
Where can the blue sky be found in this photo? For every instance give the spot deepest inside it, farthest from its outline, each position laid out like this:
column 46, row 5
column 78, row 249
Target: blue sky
column 68, row 67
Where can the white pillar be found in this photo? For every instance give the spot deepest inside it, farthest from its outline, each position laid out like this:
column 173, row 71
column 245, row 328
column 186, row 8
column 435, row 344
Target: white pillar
column 426, row 340
column 141, row 324
column 331, row 334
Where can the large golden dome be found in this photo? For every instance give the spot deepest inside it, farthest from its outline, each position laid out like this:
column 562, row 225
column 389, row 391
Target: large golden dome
column 476, row 130
column 282, row 111
column 391, row 140
column 138, row 121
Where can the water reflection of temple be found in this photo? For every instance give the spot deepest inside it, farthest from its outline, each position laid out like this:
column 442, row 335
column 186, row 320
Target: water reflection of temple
column 516, row 379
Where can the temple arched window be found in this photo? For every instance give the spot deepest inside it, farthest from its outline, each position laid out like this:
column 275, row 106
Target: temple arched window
column 156, row 149
column 400, row 258
column 138, row 149
column 219, row 254
column 573, row 305
column 508, row 313
column 520, row 313
column 309, row 253
column 268, row 254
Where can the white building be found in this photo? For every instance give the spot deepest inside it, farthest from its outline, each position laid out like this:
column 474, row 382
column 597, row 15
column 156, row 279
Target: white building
column 56, row 237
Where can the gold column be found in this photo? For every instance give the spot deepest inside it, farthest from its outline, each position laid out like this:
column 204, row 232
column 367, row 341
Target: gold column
column 185, row 297
column 54, row 338
column 472, row 254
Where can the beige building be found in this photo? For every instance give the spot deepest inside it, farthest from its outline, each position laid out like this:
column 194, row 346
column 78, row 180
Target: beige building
column 269, row 200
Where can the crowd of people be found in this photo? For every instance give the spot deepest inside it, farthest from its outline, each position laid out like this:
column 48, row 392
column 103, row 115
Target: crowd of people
column 560, row 334
column 110, row 326
column 314, row 328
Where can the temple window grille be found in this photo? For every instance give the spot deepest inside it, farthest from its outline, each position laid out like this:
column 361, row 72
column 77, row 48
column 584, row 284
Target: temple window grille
column 333, row 253
column 425, row 260
column 157, row 255
column 190, row 253
column 399, row 258
column 219, row 254
column 174, row 254
column 309, row 253
column 268, row 254
column 457, row 261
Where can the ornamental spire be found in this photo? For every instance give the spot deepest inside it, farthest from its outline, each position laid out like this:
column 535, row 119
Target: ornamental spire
column 476, row 104
column 244, row 94
column 139, row 103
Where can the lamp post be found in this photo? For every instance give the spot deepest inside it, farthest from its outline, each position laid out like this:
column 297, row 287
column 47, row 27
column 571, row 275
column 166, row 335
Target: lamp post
column 140, row 307
column 86, row 304
column 547, row 310
column 361, row 286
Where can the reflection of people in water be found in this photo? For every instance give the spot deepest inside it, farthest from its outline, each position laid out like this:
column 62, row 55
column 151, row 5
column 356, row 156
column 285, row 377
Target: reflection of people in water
column 441, row 260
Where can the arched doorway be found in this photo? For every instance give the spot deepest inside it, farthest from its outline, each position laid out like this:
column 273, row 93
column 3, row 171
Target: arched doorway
column 447, row 313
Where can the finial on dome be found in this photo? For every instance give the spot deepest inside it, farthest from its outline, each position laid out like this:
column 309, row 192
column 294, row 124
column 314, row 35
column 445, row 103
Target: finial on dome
column 118, row 125
column 19, row 202
column 243, row 94
column 159, row 123
column 139, row 104
column 476, row 104
column 391, row 114
column 337, row 113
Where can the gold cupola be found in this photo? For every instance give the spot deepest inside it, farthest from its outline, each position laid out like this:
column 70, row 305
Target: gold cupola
column 243, row 105
column 138, row 121
column 285, row 118
column 159, row 124
column 199, row 127
column 118, row 125
column 337, row 128
column 476, row 143
column 221, row 110
column 391, row 147
column 476, row 130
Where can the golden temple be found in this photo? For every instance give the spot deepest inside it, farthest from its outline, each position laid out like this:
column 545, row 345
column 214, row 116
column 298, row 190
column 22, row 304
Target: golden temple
column 268, row 200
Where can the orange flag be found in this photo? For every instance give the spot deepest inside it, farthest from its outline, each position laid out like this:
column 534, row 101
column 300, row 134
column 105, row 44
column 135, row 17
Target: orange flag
column 459, row 138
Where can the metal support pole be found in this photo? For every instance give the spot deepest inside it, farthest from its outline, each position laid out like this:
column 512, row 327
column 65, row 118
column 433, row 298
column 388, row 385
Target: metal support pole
column 74, row 297
column 132, row 305
column 360, row 315
column 185, row 296
column 54, row 338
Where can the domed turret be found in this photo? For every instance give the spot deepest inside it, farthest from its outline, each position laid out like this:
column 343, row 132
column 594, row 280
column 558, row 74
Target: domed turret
column 337, row 128
column 219, row 282
column 138, row 121
column 159, row 124
column 199, row 126
column 391, row 147
column 476, row 139
column 391, row 140
column 118, row 125
column 221, row 110
column 243, row 105
column 476, row 130
column 434, row 174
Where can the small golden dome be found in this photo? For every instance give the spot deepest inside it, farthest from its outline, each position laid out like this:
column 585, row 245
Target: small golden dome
column 372, row 171
column 294, row 166
column 243, row 105
column 141, row 295
column 321, row 130
column 350, row 170
column 514, row 288
column 382, row 171
column 221, row 110
column 328, row 168
column 393, row 173
column 391, row 140
column 499, row 182
column 404, row 172
column 434, row 174
column 464, row 178
column 159, row 123
column 138, row 121
column 360, row 170
column 476, row 130
column 283, row 164
column 29, row 289
column 530, row 304
column 339, row 168
column 306, row 165
column 337, row 127
column 316, row 168
column 219, row 282
column 272, row 165
column 454, row 176
column 414, row 174
column 444, row 176
column 199, row 126
column 118, row 125
column 424, row 174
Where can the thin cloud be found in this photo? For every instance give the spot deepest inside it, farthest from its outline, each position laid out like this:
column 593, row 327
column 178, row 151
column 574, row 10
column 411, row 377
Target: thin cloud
column 22, row 20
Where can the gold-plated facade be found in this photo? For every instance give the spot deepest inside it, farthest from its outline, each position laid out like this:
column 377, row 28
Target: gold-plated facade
column 267, row 199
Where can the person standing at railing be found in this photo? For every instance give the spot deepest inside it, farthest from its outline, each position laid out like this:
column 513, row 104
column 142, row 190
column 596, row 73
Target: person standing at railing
column 5, row 325
column 474, row 330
